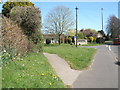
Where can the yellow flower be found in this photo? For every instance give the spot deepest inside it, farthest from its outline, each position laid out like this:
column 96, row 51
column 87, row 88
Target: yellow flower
column 50, row 84
column 42, row 74
column 55, row 76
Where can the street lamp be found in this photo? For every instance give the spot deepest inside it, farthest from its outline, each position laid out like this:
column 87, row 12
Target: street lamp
column 102, row 17
column 76, row 25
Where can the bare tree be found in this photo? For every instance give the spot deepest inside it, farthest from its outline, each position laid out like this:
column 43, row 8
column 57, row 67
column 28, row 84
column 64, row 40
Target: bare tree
column 59, row 21
column 113, row 27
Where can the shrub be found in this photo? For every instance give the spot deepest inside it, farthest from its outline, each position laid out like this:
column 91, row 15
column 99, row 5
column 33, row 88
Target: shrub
column 65, row 39
column 29, row 19
column 91, row 39
column 12, row 37
column 9, row 5
column 81, row 35
column 69, row 40
column 100, row 40
column 48, row 41
column 62, row 40
column 73, row 41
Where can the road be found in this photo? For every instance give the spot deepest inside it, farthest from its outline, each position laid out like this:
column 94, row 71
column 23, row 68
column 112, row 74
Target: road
column 103, row 72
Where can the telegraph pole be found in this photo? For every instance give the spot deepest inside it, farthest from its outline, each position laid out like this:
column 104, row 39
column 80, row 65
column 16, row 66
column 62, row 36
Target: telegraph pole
column 119, row 19
column 76, row 25
column 102, row 17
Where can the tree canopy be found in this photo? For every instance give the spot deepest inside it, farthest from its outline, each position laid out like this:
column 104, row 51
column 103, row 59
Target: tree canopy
column 59, row 21
column 12, row 3
column 113, row 26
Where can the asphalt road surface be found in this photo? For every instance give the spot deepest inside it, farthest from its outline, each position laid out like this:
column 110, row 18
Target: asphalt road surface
column 103, row 72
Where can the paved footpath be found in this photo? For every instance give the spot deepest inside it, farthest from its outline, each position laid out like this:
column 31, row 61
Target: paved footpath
column 103, row 73
column 63, row 70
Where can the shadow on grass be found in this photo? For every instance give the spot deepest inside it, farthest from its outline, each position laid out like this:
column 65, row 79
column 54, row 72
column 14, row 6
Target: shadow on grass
column 49, row 45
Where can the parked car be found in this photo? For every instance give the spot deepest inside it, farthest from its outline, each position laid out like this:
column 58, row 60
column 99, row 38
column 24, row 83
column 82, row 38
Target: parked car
column 81, row 42
column 116, row 41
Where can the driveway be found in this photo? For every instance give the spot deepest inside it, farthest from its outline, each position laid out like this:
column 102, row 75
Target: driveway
column 104, row 71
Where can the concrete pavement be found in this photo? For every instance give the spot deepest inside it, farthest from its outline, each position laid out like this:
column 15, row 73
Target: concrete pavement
column 62, row 68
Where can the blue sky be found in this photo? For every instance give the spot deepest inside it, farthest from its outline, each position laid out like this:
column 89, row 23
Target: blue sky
column 89, row 13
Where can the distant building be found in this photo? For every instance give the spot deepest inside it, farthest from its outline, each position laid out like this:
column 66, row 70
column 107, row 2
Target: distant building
column 54, row 38
column 71, row 32
column 99, row 35
column 88, row 33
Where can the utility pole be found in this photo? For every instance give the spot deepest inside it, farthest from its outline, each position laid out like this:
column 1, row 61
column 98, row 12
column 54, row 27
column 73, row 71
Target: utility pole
column 76, row 25
column 119, row 19
column 102, row 17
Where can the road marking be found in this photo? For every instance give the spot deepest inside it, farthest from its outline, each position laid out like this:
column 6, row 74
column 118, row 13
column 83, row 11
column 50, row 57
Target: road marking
column 116, row 59
column 109, row 47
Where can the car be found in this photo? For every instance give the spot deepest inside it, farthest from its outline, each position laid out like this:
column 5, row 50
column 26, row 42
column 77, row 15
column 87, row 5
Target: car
column 81, row 42
column 116, row 41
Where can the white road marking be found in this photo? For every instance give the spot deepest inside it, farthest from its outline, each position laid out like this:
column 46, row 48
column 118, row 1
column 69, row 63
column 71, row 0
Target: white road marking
column 116, row 59
column 109, row 47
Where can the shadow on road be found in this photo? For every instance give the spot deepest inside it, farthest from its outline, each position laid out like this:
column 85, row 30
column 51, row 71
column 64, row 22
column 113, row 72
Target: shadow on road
column 117, row 63
column 112, row 44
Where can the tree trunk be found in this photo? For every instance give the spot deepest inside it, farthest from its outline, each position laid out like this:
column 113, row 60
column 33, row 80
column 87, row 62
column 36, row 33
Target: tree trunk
column 59, row 40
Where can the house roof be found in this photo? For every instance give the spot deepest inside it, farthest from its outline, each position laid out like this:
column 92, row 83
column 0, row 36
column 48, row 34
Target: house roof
column 51, row 36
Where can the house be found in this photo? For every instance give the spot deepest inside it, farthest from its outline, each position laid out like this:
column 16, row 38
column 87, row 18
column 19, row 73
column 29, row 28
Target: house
column 99, row 35
column 54, row 38
column 88, row 32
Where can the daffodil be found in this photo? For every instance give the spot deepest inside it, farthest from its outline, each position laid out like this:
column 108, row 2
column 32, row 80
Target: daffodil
column 50, row 84
column 42, row 74
column 55, row 76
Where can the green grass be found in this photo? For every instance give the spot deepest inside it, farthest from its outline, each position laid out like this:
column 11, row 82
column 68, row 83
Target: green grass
column 78, row 58
column 32, row 71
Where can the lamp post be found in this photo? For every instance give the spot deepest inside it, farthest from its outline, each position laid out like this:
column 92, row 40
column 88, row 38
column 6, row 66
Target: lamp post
column 76, row 25
column 102, row 17
column 119, row 19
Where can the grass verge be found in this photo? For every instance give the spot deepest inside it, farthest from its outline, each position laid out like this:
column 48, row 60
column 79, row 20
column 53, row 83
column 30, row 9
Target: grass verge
column 78, row 58
column 32, row 71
